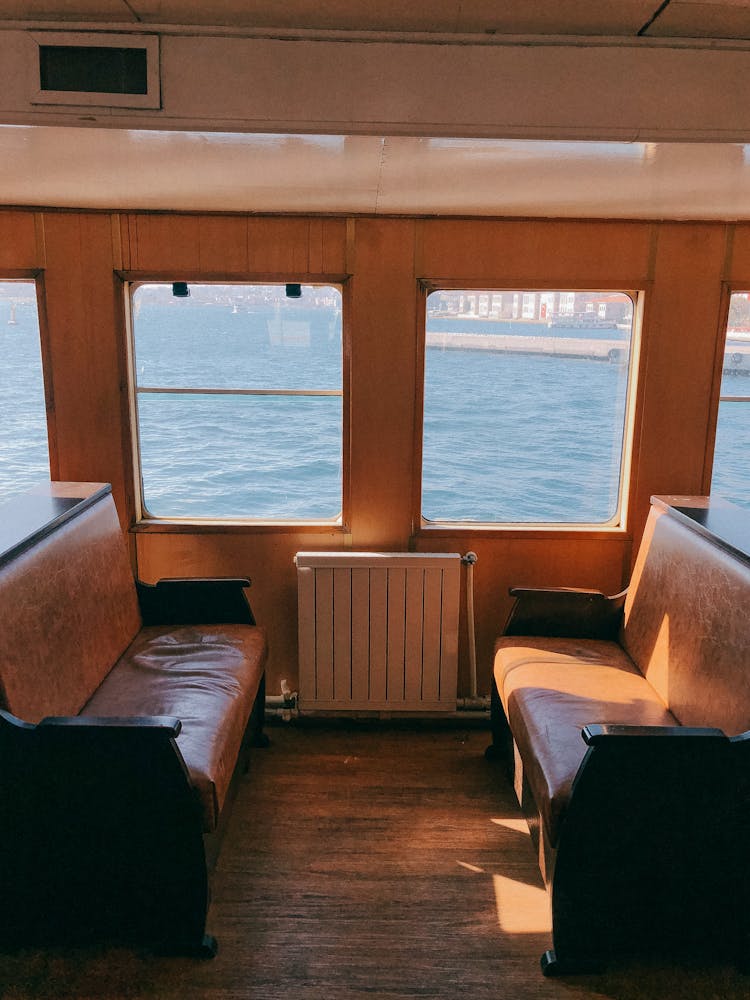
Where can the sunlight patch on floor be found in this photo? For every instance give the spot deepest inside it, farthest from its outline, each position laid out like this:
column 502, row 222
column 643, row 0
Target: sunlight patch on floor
column 517, row 825
column 471, row 868
column 521, row 908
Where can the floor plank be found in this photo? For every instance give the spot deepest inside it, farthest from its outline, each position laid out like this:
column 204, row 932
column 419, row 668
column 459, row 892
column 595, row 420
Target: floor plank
column 366, row 861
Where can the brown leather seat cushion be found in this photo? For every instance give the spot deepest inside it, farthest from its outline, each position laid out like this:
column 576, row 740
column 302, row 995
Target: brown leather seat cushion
column 206, row 676
column 552, row 688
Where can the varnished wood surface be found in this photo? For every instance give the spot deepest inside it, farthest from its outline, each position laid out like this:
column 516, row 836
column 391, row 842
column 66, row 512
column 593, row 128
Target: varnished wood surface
column 386, row 863
column 682, row 267
column 27, row 519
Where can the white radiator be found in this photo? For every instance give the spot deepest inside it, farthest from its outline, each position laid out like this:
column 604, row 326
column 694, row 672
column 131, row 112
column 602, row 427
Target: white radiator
column 378, row 631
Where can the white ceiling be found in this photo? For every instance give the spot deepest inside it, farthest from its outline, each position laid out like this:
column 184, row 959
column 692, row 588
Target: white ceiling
column 128, row 168
column 148, row 169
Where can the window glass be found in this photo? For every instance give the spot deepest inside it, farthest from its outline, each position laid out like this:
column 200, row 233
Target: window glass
column 731, row 474
column 24, row 451
column 239, row 400
column 525, row 405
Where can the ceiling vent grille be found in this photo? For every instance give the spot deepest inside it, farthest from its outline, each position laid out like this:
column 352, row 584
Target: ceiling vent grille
column 91, row 68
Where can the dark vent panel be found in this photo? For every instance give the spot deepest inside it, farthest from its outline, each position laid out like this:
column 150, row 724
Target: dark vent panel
column 93, row 69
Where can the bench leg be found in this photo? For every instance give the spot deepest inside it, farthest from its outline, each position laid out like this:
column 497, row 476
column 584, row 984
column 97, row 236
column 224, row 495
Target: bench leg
column 553, row 966
column 501, row 738
column 206, row 948
column 255, row 737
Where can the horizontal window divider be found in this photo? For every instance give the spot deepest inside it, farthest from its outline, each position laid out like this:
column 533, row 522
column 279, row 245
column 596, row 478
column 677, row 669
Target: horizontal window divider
column 505, row 530
column 734, row 399
column 235, row 526
column 165, row 390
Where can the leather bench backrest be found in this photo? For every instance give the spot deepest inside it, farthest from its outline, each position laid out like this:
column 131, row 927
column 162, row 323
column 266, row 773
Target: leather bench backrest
column 687, row 626
column 69, row 610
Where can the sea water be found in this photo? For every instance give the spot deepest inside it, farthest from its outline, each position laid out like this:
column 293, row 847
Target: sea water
column 507, row 437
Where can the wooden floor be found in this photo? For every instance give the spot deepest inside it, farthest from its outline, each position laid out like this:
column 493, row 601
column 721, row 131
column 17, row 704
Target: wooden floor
column 385, row 863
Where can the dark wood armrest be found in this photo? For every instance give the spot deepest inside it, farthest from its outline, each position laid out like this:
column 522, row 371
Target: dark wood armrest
column 167, row 724
column 195, row 602
column 565, row 613
column 598, row 734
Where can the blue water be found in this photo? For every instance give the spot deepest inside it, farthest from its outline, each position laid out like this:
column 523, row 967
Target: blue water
column 521, row 438
column 271, row 457
column 24, row 454
column 507, row 437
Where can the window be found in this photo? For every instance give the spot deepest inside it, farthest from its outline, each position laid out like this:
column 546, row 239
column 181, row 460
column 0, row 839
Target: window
column 24, row 451
column 731, row 476
column 525, row 412
column 238, row 393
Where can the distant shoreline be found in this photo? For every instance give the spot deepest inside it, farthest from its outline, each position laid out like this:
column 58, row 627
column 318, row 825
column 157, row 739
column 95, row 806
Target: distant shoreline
column 615, row 351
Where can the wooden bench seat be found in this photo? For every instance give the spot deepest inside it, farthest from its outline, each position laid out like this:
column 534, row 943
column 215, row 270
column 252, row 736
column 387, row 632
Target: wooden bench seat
column 626, row 721
column 126, row 710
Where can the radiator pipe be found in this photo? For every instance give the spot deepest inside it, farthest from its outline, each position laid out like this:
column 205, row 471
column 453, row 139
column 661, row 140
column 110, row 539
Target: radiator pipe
column 476, row 704
column 468, row 561
column 284, row 705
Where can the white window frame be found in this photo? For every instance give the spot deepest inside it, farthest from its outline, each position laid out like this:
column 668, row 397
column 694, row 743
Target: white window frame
column 144, row 518
column 745, row 362
column 618, row 523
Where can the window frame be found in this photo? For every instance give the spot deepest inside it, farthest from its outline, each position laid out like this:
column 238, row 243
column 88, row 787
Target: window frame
column 728, row 290
column 144, row 520
column 619, row 525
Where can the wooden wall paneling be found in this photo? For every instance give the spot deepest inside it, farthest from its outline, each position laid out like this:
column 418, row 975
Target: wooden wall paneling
column 229, row 244
column 20, row 246
column 383, row 373
column 513, row 559
column 279, row 245
column 528, row 253
column 85, row 346
column 128, row 239
column 677, row 361
column 222, row 244
column 82, row 308
column 316, row 246
column 119, row 230
column 738, row 269
column 333, row 237
column 162, row 243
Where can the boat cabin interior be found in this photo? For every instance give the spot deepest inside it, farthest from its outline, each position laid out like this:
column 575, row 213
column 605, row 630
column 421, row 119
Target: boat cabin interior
column 433, row 324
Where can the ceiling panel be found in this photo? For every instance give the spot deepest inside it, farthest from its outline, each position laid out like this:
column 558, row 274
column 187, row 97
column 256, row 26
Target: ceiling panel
column 546, row 17
column 680, row 18
column 728, row 19
column 60, row 10
column 566, row 179
column 430, row 15
column 557, row 17
column 183, row 171
column 128, row 169
column 445, row 16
